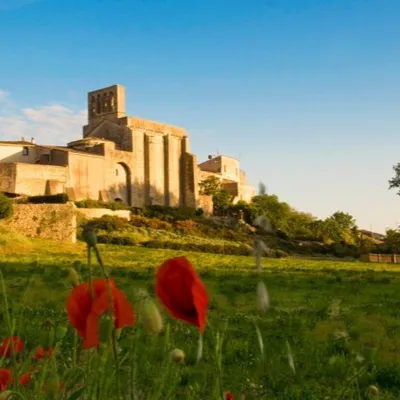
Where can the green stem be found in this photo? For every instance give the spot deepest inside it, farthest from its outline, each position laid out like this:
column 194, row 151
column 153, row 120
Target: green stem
column 10, row 329
column 110, row 299
column 90, row 271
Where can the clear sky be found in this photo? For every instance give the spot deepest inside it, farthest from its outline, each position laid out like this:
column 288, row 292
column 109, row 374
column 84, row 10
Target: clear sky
column 305, row 92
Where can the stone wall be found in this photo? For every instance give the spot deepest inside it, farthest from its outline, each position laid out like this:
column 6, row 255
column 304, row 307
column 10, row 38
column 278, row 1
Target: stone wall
column 31, row 179
column 46, row 221
column 8, row 173
column 90, row 213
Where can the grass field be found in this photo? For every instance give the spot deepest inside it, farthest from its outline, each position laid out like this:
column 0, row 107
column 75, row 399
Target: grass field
column 341, row 321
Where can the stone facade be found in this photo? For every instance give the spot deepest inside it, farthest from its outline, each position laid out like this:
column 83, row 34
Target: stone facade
column 232, row 178
column 137, row 161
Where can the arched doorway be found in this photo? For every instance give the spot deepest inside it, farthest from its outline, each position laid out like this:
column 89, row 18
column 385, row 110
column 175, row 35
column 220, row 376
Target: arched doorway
column 121, row 189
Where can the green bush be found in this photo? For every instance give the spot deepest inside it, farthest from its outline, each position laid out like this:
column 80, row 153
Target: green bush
column 110, row 223
column 60, row 198
column 215, row 248
column 110, row 205
column 153, row 223
column 116, row 239
column 6, row 206
column 171, row 213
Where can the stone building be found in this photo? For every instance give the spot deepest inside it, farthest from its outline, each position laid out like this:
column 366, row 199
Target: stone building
column 134, row 160
column 137, row 161
column 232, row 178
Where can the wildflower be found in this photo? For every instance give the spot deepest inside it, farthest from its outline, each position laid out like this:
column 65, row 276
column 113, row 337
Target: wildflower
column 84, row 312
column 10, row 344
column 6, row 378
column 42, row 353
column 25, row 379
column 262, row 297
column 182, row 292
column 178, row 356
column 152, row 320
column 228, row 396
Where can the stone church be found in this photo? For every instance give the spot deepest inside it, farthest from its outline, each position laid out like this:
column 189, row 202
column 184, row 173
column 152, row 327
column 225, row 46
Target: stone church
column 137, row 161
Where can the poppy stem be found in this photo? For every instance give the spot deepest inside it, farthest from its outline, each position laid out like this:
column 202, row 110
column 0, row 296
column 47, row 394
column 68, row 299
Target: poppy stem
column 90, row 271
column 110, row 299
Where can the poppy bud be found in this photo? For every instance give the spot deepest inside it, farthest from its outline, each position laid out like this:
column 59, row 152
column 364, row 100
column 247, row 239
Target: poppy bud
column 73, row 277
column 89, row 236
column 106, row 325
column 61, row 331
column 373, row 391
column 178, row 356
column 47, row 335
column 262, row 297
column 152, row 320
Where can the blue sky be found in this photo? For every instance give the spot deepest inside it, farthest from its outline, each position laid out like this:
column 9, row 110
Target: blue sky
column 304, row 92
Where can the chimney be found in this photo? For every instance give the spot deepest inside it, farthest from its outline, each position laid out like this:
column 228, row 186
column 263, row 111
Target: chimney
column 23, row 139
column 33, row 140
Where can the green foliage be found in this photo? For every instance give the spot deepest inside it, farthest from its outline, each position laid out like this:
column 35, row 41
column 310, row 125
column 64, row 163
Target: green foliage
column 340, row 319
column 111, row 205
column 210, row 186
column 60, row 198
column 6, row 206
column 262, row 189
column 394, row 183
column 221, row 201
column 171, row 213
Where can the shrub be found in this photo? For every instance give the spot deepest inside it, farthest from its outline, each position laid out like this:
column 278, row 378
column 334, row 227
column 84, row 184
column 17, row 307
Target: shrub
column 281, row 254
column 110, row 205
column 171, row 213
column 153, row 223
column 216, row 248
column 116, row 239
column 110, row 223
column 6, row 206
column 60, row 198
column 186, row 225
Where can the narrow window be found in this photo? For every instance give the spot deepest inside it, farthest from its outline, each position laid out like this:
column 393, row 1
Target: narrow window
column 224, row 168
column 116, row 172
column 25, row 151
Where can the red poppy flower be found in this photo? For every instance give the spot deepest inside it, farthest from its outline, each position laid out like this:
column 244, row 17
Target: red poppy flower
column 228, row 396
column 41, row 352
column 9, row 344
column 182, row 292
column 25, row 379
column 6, row 378
column 84, row 312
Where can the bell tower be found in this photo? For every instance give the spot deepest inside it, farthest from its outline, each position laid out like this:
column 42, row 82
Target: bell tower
column 105, row 103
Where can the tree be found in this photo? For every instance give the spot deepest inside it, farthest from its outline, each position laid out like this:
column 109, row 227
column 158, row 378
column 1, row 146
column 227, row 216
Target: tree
column 221, row 201
column 262, row 189
column 345, row 220
column 394, row 183
column 210, row 186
